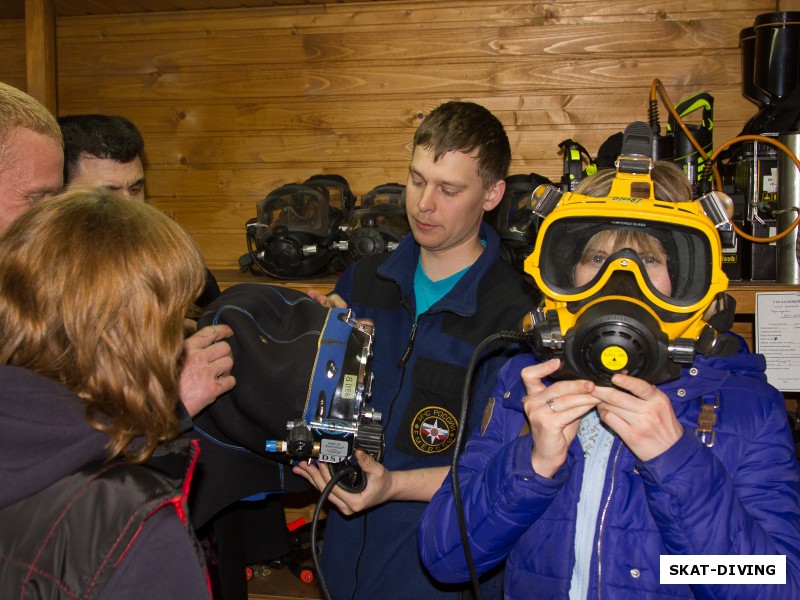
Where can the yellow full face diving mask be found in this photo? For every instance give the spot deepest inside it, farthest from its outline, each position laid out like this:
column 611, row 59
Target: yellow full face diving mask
column 627, row 279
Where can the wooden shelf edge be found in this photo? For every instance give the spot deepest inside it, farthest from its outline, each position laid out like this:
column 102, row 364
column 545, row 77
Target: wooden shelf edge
column 744, row 292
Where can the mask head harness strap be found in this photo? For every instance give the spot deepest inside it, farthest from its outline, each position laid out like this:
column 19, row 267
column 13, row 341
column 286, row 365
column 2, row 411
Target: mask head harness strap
column 637, row 149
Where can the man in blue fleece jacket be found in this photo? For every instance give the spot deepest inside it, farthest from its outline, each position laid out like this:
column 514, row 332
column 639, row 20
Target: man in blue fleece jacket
column 432, row 300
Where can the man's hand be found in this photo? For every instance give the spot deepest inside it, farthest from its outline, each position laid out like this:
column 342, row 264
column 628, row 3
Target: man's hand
column 382, row 485
column 328, row 301
column 206, row 368
column 554, row 413
column 379, row 481
column 640, row 414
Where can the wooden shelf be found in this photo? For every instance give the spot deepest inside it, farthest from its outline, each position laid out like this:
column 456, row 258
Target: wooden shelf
column 743, row 291
column 228, row 277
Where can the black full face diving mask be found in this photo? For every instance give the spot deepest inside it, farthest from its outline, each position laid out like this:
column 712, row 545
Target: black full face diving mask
column 380, row 223
column 514, row 220
column 295, row 233
column 628, row 279
column 339, row 194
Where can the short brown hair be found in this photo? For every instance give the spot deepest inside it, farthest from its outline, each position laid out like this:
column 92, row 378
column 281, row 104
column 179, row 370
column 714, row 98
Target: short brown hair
column 467, row 127
column 94, row 290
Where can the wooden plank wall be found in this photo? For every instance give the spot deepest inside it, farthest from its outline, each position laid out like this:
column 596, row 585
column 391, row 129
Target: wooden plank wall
column 234, row 103
column 12, row 53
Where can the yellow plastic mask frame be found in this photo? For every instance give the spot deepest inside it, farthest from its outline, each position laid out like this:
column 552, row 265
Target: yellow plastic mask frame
column 631, row 198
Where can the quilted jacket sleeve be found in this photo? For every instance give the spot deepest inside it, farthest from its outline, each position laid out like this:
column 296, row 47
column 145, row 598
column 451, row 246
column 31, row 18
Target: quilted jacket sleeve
column 501, row 495
column 714, row 501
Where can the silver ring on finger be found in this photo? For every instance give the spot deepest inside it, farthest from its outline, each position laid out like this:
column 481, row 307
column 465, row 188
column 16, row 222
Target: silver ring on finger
column 551, row 403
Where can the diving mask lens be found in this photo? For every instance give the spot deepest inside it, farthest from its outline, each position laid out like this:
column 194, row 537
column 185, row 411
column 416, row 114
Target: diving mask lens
column 298, row 208
column 672, row 264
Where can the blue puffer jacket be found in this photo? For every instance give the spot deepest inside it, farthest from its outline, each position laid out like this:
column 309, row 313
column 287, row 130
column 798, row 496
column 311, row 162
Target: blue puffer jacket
column 419, row 370
column 740, row 496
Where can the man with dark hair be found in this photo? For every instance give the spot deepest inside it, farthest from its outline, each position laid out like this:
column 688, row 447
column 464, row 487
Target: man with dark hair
column 432, row 300
column 105, row 151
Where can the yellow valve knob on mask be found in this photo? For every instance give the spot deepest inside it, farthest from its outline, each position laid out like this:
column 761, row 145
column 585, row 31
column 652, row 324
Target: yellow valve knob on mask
column 614, row 358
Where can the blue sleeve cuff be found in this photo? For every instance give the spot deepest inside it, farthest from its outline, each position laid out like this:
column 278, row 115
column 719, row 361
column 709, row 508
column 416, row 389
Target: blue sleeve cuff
column 521, row 468
column 669, row 462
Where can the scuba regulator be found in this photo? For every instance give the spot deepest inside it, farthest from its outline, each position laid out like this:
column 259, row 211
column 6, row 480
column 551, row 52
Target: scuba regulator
column 628, row 279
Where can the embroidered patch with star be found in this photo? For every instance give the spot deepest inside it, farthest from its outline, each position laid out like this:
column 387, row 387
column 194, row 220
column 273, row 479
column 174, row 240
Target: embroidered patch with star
column 433, row 429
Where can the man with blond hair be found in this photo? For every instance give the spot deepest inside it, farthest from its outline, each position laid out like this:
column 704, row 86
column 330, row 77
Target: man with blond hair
column 31, row 153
